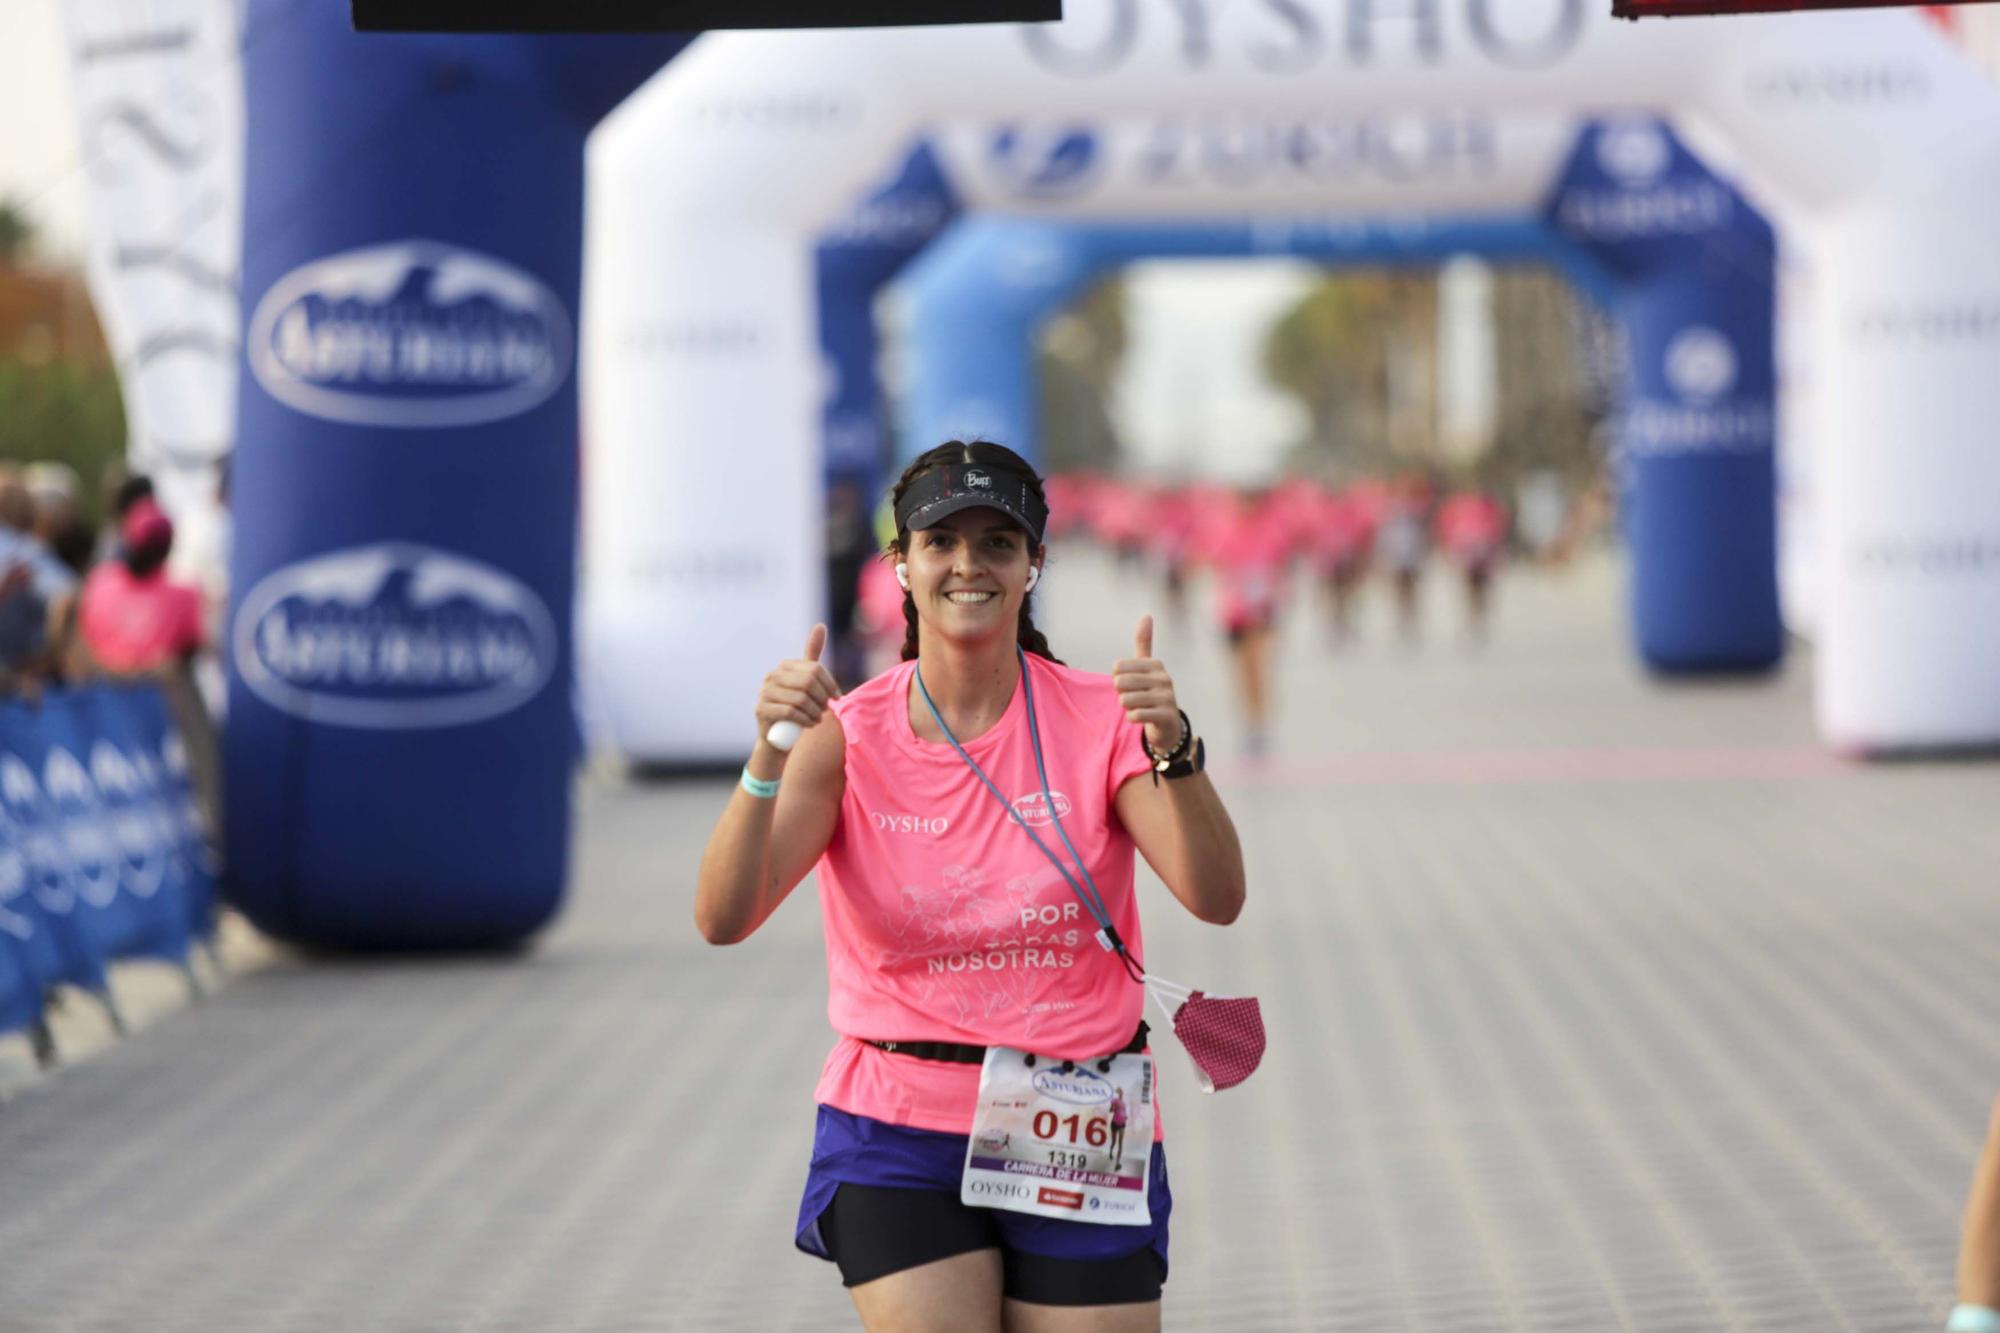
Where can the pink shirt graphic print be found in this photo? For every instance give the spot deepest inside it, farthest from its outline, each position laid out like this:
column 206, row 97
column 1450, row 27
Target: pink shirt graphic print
column 944, row 923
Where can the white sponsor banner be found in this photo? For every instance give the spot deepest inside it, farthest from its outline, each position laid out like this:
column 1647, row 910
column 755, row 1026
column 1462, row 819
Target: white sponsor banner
column 159, row 99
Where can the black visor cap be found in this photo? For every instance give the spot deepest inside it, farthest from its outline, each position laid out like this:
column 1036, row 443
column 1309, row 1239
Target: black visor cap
column 944, row 491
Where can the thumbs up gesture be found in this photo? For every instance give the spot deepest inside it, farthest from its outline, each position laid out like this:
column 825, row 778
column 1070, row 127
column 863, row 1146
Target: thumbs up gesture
column 795, row 694
column 1146, row 691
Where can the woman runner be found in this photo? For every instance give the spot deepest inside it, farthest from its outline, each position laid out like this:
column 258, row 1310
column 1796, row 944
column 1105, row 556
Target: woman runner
column 948, row 929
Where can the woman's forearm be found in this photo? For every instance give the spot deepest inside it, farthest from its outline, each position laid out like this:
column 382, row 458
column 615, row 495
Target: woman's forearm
column 734, row 882
column 1209, row 878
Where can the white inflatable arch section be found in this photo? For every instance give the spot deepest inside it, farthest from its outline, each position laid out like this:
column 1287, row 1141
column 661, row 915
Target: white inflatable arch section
column 1873, row 145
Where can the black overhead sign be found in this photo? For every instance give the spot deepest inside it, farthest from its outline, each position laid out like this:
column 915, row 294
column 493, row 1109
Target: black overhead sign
column 683, row 15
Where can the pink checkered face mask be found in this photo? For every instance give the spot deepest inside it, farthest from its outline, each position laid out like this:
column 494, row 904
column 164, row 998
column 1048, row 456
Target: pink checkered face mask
column 1223, row 1036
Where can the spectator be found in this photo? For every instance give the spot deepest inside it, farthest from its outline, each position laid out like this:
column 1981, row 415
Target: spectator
column 134, row 619
column 122, row 490
column 23, row 623
column 58, row 521
column 39, row 588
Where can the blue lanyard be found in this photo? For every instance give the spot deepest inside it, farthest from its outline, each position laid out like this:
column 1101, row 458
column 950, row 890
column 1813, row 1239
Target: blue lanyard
column 1086, row 892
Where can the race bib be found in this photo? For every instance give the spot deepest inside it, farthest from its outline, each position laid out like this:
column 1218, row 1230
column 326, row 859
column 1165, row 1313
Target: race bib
column 1075, row 1143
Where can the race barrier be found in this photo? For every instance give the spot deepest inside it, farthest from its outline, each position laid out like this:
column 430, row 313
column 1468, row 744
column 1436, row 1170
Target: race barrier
column 103, row 854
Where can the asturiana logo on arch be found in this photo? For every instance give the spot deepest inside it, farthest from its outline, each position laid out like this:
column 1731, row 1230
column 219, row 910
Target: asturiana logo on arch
column 1635, row 153
column 411, row 334
column 1700, row 364
column 1640, row 194
column 394, row 636
column 1701, row 370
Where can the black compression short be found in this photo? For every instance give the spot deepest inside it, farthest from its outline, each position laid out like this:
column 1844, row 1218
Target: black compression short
column 873, row 1231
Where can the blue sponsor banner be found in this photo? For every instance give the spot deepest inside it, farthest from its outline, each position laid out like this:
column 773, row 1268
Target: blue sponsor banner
column 35, row 897
column 194, row 861
column 163, row 863
column 401, row 735
column 20, row 997
column 97, row 842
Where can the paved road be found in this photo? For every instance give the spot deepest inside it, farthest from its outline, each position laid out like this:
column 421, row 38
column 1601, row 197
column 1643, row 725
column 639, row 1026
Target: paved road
column 1594, row 1004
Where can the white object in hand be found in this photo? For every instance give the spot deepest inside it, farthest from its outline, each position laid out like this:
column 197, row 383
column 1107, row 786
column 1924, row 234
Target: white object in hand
column 783, row 735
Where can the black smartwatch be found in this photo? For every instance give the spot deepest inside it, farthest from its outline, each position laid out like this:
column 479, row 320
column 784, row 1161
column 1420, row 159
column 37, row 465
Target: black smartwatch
column 1184, row 760
column 1187, row 765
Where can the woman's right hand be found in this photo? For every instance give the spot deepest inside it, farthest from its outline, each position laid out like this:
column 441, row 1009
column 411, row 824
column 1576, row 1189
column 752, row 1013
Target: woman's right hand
column 797, row 690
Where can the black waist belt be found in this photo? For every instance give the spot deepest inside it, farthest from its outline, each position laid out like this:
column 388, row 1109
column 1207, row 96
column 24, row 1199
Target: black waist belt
column 959, row 1053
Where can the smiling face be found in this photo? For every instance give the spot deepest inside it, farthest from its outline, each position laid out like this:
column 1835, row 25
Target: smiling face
column 969, row 573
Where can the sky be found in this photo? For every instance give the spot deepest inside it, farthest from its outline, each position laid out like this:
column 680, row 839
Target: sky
column 1191, row 399
column 39, row 161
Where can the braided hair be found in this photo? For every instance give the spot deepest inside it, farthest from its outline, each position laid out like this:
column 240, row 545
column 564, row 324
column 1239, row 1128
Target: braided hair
column 959, row 451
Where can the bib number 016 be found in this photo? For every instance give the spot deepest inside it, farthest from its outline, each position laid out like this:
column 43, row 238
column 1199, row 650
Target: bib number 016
column 1092, row 1131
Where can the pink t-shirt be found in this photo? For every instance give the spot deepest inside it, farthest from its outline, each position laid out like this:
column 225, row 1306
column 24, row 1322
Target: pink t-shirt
column 1250, row 553
column 137, row 624
column 1471, row 526
column 943, row 923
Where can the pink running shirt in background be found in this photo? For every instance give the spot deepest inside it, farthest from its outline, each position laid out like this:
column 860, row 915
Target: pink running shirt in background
column 133, row 624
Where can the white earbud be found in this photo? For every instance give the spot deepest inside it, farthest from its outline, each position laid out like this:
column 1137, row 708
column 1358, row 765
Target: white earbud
column 903, row 575
column 1034, row 576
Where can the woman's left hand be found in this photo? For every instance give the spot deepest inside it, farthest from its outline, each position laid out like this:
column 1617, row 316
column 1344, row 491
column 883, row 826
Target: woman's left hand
column 1146, row 692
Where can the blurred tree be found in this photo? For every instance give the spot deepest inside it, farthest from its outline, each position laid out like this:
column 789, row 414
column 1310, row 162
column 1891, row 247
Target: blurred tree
column 1079, row 356
column 1357, row 352
column 17, row 233
column 1558, row 379
column 63, row 413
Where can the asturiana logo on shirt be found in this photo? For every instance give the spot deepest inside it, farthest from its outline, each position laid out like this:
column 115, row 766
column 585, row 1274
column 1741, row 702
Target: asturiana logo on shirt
column 922, row 825
column 1034, row 808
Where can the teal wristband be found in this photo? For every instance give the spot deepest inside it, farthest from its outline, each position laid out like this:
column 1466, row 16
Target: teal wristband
column 1973, row 1319
column 757, row 787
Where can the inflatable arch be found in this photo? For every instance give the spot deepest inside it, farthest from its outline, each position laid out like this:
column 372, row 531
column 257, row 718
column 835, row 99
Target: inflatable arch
column 718, row 191
column 1694, row 299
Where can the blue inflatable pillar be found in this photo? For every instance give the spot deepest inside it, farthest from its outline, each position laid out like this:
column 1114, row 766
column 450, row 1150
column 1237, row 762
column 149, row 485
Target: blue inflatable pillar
column 1696, row 271
column 401, row 736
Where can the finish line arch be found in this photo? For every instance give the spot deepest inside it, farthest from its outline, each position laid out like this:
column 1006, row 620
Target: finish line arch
column 1695, row 304
column 1863, row 134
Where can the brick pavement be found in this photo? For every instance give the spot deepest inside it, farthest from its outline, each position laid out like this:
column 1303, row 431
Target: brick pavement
column 1594, row 1004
